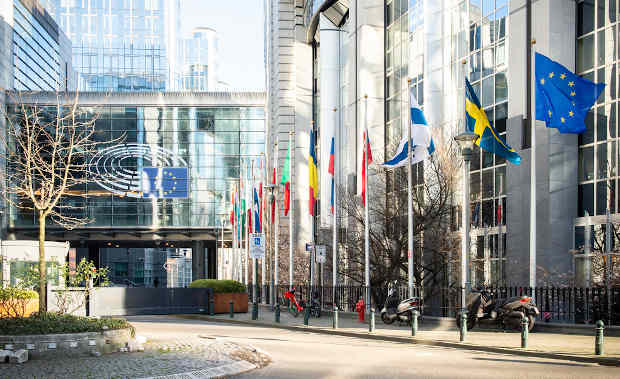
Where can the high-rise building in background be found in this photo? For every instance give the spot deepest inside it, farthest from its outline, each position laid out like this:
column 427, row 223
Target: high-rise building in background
column 34, row 52
column 121, row 45
column 324, row 55
column 197, row 65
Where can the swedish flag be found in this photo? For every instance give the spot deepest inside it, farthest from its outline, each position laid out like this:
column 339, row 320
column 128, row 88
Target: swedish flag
column 562, row 98
column 477, row 122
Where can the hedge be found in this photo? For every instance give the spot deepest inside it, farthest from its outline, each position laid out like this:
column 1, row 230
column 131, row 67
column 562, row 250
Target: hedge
column 16, row 302
column 55, row 323
column 219, row 286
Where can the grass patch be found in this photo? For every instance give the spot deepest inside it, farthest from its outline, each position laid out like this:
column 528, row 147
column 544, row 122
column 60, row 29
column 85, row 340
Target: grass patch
column 54, row 323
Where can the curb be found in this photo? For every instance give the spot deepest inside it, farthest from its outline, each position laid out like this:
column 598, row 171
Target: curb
column 230, row 369
column 606, row 361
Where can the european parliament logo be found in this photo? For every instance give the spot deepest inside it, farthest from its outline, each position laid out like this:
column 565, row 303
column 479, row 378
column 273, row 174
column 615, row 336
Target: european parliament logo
column 165, row 182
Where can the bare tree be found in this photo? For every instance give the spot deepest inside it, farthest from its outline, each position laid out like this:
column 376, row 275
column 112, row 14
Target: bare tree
column 434, row 224
column 48, row 150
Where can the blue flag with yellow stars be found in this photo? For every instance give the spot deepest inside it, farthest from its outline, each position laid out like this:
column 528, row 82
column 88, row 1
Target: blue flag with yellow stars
column 562, row 98
column 477, row 122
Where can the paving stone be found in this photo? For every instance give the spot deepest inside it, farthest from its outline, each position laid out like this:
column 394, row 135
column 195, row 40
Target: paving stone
column 160, row 359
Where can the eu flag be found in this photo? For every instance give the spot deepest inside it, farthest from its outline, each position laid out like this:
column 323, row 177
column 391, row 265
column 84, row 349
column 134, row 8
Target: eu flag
column 562, row 98
column 165, row 182
column 478, row 123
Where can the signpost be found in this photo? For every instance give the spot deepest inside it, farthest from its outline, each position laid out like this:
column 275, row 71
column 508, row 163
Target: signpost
column 257, row 245
column 320, row 254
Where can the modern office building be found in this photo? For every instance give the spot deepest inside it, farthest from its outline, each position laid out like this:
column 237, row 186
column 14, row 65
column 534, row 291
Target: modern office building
column 160, row 197
column 197, row 66
column 329, row 54
column 121, row 45
column 34, row 52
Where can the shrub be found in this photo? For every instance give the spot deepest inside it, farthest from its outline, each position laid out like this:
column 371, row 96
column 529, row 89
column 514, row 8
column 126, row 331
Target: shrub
column 219, row 286
column 55, row 323
column 14, row 301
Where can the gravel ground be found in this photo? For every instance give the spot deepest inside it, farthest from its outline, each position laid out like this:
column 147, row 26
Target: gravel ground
column 160, row 358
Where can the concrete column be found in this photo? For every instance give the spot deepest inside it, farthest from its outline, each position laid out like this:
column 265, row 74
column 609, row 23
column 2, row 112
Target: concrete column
column 198, row 260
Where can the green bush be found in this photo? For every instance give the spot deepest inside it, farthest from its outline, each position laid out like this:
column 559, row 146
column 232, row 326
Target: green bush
column 55, row 323
column 14, row 301
column 219, row 286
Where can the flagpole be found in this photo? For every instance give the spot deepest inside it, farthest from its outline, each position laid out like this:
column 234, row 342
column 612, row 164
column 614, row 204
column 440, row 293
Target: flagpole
column 409, row 204
column 532, row 276
column 263, row 278
column 290, row 217
column 254, row 260
column 276, row 222
column 313, row 249
column 244, row 232
column 500, row 240
column 335, row 230
column 366, row 206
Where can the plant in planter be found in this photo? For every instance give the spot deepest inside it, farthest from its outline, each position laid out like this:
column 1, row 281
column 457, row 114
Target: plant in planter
column 225, row 291
column 80, row 281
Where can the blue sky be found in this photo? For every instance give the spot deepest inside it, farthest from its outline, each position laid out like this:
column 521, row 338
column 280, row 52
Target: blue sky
column 239, row 25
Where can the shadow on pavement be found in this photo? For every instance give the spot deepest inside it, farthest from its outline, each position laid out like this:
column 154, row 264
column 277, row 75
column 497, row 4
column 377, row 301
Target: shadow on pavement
column 534, row 362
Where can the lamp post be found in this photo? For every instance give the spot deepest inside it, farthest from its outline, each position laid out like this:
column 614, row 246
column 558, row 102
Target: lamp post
column 466, row 143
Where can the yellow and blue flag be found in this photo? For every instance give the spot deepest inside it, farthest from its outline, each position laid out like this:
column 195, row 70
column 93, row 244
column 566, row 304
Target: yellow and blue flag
column 478, row 123
column 562, row 98
column 313, row 178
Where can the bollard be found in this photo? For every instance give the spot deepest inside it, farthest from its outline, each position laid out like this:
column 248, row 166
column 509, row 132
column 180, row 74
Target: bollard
column 335, row 318
column 414, row 322
column 463, row 329
column 598, row 342
column 278, row 313
column 211, row 307
column 524, row 331
column 232, row 309
column 255, row 311
column 371, row 322
column 306, row 316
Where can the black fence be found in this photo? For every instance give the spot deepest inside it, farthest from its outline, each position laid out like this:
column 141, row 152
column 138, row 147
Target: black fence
column 564, row 305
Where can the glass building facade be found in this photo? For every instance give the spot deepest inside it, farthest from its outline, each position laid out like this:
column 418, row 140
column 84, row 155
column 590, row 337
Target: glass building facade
column 197, row 61
column 201, row 149
column 477, row 35
column 121, row 45
column 37, row 55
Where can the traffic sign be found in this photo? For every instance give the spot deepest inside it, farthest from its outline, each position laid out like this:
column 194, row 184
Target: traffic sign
column 320, row 254
column 257, row 245
column 309, row 246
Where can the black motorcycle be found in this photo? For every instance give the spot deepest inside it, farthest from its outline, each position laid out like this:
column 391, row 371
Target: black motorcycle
column 483, row 305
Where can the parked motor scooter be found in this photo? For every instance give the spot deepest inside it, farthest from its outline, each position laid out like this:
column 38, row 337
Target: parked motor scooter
column 483, row 305
column 395, row 309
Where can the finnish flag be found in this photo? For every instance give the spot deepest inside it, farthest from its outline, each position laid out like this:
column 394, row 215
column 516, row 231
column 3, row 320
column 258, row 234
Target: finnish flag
column 422, row 141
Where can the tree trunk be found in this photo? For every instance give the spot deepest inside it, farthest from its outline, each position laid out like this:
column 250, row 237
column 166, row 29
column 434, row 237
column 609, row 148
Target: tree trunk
column 42, row 268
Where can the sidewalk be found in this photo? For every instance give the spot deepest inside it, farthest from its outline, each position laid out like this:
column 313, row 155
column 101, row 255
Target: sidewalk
column 547, row 345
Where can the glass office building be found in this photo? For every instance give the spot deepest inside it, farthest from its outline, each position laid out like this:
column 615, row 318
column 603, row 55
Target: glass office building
column 202, row 146
column 197, row 69
column 37, row 53
column 160, row 195
column 121, row 45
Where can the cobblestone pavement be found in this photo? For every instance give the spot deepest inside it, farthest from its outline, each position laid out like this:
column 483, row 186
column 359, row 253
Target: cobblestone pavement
column 165, row 354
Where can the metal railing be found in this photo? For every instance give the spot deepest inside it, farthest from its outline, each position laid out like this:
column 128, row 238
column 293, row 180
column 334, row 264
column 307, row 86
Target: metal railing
column 563, row 305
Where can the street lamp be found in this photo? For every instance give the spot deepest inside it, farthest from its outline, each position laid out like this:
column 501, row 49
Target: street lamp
column 466, row 143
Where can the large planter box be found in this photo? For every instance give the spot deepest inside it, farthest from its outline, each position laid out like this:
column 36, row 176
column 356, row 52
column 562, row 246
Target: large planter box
column 52, row 346
column 222, row 302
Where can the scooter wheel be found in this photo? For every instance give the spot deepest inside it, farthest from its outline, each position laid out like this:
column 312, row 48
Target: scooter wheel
column 386, row 319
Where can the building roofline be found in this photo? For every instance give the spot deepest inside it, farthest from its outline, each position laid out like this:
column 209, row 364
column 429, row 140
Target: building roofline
column 220, row 98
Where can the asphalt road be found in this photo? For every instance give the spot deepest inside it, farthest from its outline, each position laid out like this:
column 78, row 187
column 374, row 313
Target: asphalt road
column 309, row 355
